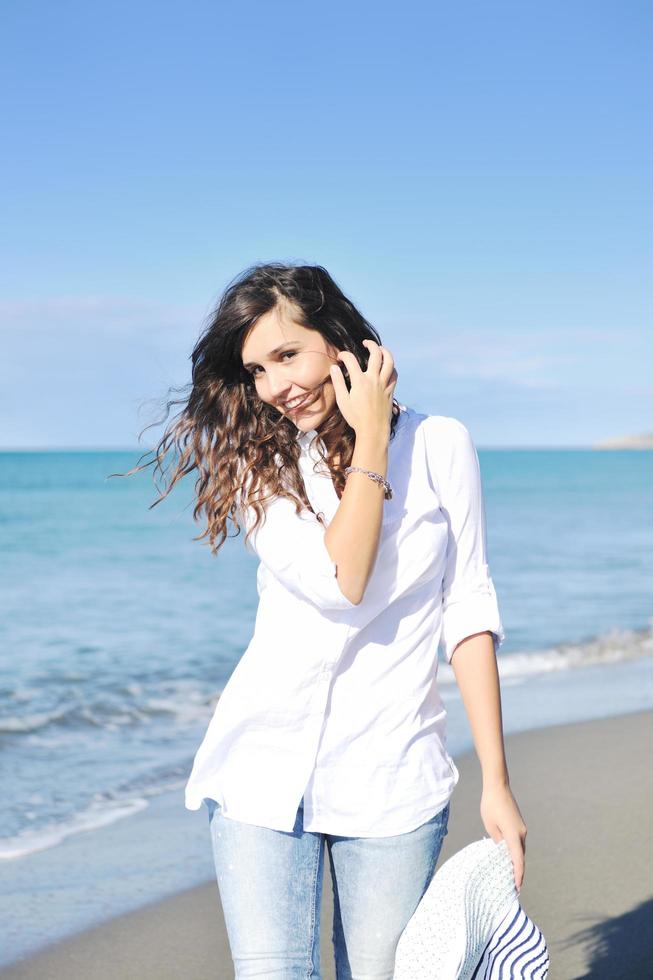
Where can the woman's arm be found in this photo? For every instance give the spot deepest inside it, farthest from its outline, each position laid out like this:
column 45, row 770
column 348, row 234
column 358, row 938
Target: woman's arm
column 352, row 538
column 472, row 631
column 294, row 547
column 475, row 667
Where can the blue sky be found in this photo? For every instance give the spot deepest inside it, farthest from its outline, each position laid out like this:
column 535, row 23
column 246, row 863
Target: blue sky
column 476, row 177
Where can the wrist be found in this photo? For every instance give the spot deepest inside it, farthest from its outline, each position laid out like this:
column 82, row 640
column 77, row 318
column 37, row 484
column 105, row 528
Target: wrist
column 373, row 437
column 496, row 780
column 373, row 475
column 371, row 454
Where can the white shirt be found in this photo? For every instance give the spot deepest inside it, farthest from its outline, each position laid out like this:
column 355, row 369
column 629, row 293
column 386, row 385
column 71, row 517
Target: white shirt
column 338, row 703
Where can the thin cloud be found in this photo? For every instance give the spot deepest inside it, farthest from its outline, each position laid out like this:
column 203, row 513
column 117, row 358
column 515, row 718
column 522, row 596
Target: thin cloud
column 90, row 314
column 472, row 357
column 528, row 372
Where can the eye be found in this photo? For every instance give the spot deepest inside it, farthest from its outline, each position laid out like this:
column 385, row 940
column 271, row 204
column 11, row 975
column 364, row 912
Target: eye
column 286, row 353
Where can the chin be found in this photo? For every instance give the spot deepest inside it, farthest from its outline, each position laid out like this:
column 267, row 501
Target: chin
column 306, row 425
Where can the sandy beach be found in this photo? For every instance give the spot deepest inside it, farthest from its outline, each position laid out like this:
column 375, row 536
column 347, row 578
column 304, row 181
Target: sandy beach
column 586, row 793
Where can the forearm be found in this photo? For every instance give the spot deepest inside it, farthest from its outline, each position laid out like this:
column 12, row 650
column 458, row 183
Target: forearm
column 352, row 538
column 475, row 667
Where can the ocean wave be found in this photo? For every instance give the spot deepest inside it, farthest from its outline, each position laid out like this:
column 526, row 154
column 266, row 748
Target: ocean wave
column 125, row 706
column 612, row 647
column 30, row 841
column 101, row 812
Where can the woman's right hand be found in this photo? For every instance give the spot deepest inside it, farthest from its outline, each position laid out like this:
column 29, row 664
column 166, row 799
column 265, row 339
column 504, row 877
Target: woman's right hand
column 367, row 406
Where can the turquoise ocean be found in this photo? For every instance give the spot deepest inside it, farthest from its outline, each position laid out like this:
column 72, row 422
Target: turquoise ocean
column 118, row 632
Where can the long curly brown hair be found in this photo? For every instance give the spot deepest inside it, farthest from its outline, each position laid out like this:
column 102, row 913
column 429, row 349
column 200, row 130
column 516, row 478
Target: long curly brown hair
column 245, row 451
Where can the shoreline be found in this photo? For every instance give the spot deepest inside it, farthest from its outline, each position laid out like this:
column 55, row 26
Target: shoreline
column 587, row 884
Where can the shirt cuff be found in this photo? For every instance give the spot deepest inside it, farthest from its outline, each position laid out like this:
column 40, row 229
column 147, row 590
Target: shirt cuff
column 475, row 613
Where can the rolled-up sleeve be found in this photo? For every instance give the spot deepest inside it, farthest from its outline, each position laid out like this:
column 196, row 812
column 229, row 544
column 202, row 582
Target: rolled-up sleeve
column 469, row 600
column 292, row 547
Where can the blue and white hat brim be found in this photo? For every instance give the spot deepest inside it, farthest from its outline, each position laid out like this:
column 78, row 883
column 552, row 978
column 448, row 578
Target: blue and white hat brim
column 470, row 925
column 516, row 948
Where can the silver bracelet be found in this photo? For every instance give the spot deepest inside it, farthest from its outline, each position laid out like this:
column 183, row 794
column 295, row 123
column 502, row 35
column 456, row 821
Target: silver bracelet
column 373, row 476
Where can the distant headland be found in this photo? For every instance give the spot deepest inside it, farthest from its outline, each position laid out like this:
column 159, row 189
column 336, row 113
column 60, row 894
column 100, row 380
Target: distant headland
column 642, row 441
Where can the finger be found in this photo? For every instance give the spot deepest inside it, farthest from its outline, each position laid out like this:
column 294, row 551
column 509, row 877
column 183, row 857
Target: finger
column 372, row 346
column 339, row 386
column 388, row 363
column 517, row 856
column 350, row 361
column 377, row 360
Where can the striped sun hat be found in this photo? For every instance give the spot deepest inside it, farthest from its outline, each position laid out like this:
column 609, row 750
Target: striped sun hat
column 470, row 924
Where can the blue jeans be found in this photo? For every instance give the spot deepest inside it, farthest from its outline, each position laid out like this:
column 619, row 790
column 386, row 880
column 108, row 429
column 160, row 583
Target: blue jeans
column 270, row 884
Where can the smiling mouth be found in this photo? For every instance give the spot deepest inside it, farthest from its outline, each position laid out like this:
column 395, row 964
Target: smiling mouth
column 299, row 405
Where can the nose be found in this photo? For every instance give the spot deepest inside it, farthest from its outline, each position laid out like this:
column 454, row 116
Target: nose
column 279, row 387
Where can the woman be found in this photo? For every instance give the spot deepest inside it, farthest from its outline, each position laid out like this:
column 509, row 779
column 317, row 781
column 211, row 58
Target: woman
column 368, row 521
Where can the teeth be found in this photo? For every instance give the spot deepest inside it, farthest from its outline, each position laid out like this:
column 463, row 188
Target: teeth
column 296, row 401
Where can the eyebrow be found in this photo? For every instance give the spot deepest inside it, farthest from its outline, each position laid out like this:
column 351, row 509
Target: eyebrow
column 277, row 350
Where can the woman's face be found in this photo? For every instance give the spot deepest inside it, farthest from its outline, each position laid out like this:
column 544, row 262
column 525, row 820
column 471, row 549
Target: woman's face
column 288, row 361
